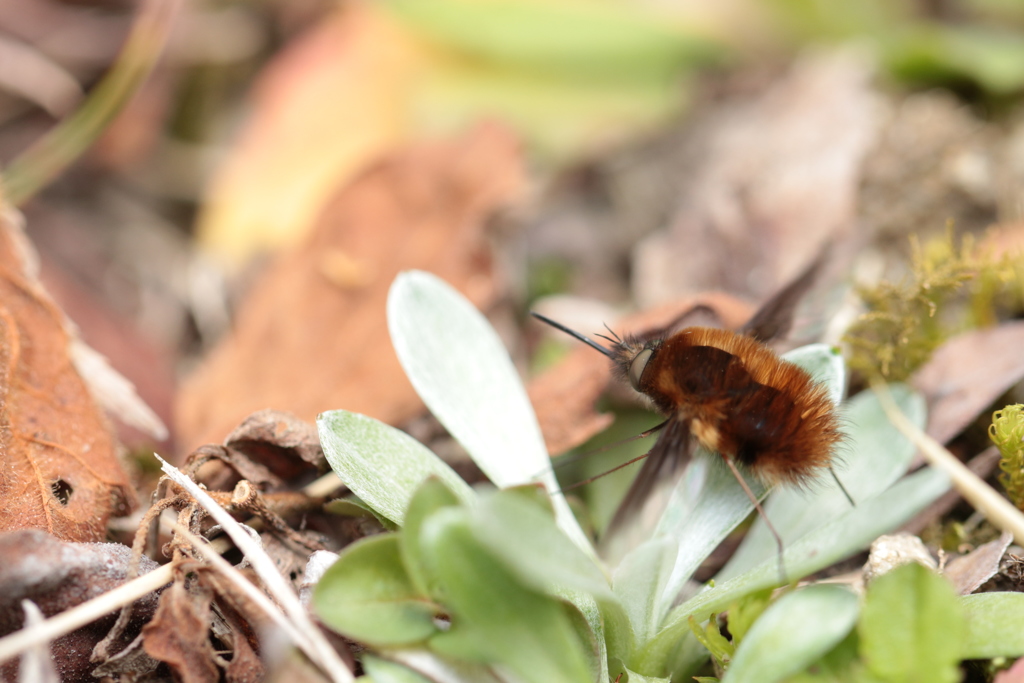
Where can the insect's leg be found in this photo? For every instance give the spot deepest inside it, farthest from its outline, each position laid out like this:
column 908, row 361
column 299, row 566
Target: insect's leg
column 841, row 487
column 760, row 511
column 562, row 461
column 606, row 472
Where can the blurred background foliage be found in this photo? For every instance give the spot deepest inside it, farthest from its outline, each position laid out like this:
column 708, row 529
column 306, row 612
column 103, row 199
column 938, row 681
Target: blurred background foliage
column 158, row 216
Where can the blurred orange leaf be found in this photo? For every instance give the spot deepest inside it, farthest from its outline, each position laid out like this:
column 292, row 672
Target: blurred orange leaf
column 313, row 335
column 569, row 75
column 327, row 106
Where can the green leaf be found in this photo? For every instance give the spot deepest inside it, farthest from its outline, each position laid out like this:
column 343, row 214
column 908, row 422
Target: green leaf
column 995, row 625
column 494, row 616
column 459, row 367
column 710, row 636
column 743, row 613
column 824, row 364
column 518, row 529
column 873, row 455
column 793, row 633
column 440, row 669
column 430, row 497
column 990, row 56
column 524, row 536
column 634, row 677
column 912, row 627
column 703, row 524
column 380, row 464
column 571, row 38
column 618, row 669
column 561, row 118
column 841, row 664
column 640, row 581
column 384, row 671
column 367, row 596
column 821, row 548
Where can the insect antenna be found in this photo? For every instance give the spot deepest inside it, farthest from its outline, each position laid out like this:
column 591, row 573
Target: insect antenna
column 573, row 333
column 615, row 337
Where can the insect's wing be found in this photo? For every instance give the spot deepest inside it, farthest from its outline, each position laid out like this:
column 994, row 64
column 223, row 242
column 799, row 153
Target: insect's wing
column 661, row 470
column 696, row 316
column 775, row 318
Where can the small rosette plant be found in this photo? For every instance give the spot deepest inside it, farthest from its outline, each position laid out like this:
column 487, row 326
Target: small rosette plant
column 501, row 583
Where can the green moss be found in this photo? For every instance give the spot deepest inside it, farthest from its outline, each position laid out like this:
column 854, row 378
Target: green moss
column 1007, row 433
column 951, row 288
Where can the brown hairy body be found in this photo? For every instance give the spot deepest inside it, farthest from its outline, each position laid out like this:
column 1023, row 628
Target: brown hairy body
column 743, row 401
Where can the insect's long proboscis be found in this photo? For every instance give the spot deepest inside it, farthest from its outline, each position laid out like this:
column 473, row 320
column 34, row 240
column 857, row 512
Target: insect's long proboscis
column 572, row 333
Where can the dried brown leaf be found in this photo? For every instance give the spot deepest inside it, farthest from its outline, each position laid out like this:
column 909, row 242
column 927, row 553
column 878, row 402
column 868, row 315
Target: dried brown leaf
column 564, row 396
column 59, row 469
column 280, row 441
column 312, row 337
column 179, row 634
column 269, row 449
column 133, row 662
column 330, row 103
column 967, row 374
column 245, row 666
column 969, row 571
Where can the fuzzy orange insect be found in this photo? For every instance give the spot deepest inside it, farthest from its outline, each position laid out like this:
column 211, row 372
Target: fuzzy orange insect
column 733, row 394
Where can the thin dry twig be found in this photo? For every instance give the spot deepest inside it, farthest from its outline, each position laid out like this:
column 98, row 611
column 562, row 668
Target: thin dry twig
column 60, row 624
column 983, row 497
column 322, row 653
column 250, row 591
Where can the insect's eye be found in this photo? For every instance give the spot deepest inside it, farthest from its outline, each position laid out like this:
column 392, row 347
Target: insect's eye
column 636, row 368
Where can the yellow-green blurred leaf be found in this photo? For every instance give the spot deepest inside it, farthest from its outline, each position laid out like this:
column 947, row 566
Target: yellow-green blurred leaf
column 326, row 107
column 581, row 38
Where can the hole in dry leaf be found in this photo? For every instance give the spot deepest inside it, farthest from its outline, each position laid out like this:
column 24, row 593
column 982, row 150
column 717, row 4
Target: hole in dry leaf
column 62, row 491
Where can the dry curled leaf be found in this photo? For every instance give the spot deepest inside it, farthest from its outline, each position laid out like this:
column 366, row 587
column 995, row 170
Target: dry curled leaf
column 311, row 337
column 179, row 634
column 564, row 397
column 59, row 469
column 246, row 665
column 968, row 572
column 270, row 449
column 280, row 441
